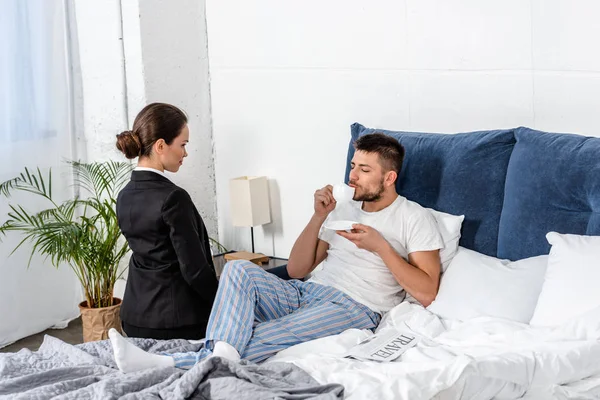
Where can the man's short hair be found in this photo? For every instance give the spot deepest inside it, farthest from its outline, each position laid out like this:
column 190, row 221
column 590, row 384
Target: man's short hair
column 390, row 151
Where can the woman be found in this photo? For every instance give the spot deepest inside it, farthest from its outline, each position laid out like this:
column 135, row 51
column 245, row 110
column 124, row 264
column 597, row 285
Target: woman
column 172, row 282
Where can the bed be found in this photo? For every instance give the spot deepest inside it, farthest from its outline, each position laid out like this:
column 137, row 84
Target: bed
column 518, row 314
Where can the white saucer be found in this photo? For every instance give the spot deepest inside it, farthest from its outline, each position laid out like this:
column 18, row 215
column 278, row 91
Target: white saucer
column 339, row 225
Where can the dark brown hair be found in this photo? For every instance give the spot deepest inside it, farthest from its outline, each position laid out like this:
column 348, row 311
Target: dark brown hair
column 390, row 151
column 155, row 121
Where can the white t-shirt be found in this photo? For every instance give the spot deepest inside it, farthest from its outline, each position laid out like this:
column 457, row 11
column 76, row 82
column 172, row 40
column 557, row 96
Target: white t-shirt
column 361, row 274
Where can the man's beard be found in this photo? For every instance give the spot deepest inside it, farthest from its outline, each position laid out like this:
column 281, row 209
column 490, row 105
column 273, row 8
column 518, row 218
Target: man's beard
column 371, row 196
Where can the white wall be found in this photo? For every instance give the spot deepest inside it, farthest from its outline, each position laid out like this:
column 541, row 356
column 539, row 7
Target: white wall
column 103, row 85
column 288, row 79
column 175, row 60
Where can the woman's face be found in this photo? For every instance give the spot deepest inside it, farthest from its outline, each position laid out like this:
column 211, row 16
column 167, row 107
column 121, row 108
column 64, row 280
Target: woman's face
column 172, row 155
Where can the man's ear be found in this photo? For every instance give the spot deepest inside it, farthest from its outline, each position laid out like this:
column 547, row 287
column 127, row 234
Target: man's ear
column 390, row 178
column 159, row 146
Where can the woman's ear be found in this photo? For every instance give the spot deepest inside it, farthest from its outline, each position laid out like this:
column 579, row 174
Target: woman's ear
column 159, row 146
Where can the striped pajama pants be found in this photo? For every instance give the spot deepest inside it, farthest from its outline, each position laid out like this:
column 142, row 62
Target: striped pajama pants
column 260, row 314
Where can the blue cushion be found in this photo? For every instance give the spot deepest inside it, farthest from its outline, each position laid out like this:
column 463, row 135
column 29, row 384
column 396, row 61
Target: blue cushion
column 552, row 184
column 459, row 174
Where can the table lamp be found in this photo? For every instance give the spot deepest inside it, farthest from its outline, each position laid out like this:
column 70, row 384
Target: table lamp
column 249, row 199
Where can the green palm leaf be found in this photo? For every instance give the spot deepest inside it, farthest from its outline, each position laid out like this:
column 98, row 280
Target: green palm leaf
column 82, row 232
column 27, row 182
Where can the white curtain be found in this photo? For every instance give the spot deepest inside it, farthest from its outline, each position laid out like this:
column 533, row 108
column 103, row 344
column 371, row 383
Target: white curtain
column 36, row 130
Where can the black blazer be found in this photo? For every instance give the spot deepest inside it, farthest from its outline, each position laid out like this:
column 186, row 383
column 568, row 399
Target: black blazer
column 172, row 281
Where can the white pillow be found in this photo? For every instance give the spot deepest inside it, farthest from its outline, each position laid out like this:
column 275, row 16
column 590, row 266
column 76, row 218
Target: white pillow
column 476, row 285
column 449, row 226
column 571, row 284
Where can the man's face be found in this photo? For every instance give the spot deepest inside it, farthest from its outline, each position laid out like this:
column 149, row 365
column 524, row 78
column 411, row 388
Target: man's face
column 366, row 176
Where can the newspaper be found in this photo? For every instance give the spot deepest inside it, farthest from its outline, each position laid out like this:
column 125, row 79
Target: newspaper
column 384, row 346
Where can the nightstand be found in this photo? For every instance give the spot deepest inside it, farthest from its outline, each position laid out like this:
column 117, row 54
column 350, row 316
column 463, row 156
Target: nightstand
column 219, row 261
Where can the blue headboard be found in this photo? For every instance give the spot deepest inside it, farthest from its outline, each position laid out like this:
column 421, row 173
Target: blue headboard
column 513, row 186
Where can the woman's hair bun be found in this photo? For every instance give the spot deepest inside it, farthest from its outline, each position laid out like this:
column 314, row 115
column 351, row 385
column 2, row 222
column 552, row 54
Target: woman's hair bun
column 128, row 143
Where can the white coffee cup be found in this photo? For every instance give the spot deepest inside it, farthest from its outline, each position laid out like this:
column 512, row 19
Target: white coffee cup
column 342, row 192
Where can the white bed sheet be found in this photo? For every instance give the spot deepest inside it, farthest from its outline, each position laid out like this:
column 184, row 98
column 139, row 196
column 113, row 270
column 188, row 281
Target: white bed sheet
column 483, row 358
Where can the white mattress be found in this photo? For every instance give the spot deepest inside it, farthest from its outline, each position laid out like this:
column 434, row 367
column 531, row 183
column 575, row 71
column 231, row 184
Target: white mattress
column 482, row 358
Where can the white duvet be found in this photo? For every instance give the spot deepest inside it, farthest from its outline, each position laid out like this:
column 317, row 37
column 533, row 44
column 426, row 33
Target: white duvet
column 482, row 358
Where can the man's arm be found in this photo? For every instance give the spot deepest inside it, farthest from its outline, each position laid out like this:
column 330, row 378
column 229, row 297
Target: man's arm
column 309, row 250
column 420, row 276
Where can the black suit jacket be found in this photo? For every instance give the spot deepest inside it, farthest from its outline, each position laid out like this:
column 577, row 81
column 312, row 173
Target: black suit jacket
column 172, row 281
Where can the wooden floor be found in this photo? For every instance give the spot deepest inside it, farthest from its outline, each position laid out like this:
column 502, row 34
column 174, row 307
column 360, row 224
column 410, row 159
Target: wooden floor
column 71, row 334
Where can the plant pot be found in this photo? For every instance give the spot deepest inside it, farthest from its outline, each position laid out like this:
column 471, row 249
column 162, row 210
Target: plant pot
column 97, row 321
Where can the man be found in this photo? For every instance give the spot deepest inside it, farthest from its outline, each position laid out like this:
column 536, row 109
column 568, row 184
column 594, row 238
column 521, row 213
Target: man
column 364, row 273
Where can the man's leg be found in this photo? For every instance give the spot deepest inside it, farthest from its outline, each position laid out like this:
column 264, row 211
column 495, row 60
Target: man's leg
column 247, row 295
column 326, row 311
column 130, row 358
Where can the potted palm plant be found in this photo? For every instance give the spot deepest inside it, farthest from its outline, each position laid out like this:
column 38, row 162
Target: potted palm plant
column 82, row 232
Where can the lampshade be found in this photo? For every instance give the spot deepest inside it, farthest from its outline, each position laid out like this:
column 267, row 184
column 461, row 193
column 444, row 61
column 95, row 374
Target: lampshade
column 249, row 198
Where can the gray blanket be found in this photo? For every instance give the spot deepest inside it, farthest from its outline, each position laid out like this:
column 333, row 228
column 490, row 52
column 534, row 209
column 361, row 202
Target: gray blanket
column 88, row 371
